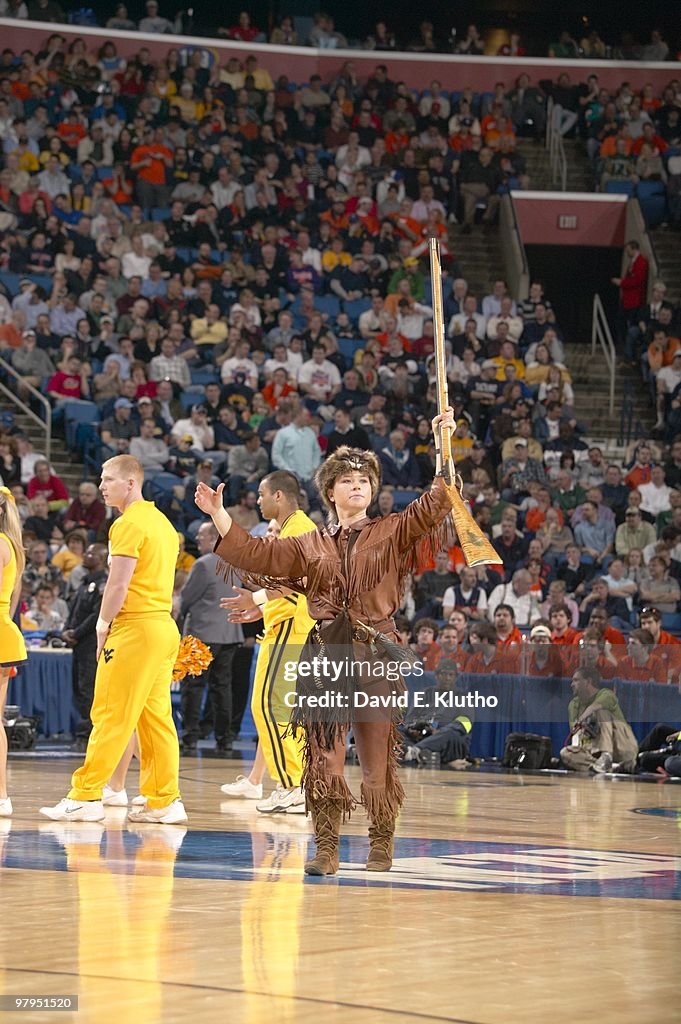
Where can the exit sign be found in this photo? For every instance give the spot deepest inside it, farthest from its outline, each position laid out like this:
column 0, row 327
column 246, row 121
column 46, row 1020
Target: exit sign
column 567, row 222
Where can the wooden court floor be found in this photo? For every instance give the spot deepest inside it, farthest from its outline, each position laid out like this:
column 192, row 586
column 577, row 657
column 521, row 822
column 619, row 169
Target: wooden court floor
column 534, row 899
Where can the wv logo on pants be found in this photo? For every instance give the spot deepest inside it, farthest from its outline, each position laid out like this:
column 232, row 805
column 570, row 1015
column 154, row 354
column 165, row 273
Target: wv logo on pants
column 108, row 654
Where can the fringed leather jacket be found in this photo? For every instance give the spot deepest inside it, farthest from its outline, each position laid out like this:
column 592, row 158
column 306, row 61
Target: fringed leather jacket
column 369, row 586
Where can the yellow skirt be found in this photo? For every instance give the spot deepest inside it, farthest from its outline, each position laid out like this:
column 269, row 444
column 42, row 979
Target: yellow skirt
column 12, row 646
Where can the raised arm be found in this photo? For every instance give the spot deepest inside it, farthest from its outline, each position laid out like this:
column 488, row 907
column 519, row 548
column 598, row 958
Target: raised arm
column 284, row 559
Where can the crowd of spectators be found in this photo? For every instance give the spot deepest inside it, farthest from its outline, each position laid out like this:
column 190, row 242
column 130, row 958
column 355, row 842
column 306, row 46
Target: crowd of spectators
column 320, row 31
column 224, row 278
column 632, row 138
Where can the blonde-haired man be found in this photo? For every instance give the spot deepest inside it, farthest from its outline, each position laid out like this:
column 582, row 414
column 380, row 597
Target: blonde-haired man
column 137, row 644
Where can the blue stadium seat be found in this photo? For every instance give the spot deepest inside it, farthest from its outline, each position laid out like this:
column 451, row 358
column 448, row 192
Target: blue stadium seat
column 163, row 482
column 654, row 210
column 75, row 413
column 103, row 173
column 626, row 188
column 160, row 213
column 648, row 189
column 671, row 621
column 10, row 281
column 328, row 304
column 189, row 398
column 347, row 348
column 43, row 281
column 204, row 375
column 355, row 308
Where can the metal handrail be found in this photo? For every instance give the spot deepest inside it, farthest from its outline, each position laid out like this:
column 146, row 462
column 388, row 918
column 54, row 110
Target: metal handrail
column 554, row 144
column 601, row 335
column 525, row 267
column 513, row 250
column 45, row 424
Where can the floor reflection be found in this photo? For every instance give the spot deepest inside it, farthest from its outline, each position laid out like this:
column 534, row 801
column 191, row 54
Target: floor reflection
column 269, row 853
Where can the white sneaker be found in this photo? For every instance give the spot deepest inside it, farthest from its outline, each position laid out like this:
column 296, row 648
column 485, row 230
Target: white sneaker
column 282, row 799
column 297, row 808
column 114, row 797
column 75, row 810
column 173, row 814
column 6, row 808
column 139, row 801
column 243, row 788
column 603, row 764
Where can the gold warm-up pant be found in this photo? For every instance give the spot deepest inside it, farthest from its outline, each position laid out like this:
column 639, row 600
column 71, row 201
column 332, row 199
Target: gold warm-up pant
column 283, row 753
column 132, row 691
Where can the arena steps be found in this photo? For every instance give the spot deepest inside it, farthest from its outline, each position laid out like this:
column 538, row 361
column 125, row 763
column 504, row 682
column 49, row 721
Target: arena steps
column 479, row 256
column 61, row 460
column 591, row 385
column 666, row 246
column 579, row 175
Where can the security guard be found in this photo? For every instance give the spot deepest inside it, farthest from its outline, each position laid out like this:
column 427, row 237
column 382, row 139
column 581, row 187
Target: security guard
column 80, row 635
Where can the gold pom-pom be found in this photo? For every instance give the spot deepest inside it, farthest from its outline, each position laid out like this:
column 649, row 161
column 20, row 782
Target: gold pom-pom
column 193, row 658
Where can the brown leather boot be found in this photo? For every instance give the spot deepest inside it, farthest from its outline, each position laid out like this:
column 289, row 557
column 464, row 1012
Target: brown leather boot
column 326, row 818
column 381, row 845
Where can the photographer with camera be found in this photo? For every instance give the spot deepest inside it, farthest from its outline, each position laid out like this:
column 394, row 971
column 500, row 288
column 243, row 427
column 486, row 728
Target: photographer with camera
column 599, row 732
column 436, row 732
column 79, row 634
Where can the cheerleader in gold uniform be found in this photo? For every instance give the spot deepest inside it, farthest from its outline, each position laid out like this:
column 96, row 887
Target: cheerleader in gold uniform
column 12, row 646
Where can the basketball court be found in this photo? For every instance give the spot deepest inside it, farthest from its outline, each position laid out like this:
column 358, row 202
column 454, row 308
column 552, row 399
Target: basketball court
column 514, row 899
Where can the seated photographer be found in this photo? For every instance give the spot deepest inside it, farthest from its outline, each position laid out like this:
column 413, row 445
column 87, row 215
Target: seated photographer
column 599, row 732
column 435, row 733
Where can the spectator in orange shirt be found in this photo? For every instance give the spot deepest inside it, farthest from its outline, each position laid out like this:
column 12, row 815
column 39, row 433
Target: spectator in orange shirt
column 150, row 161
column 650, row 136
column 599, row 620
column 508, row 634
column 119, row 186
column 542, row 658
column 405, row 225
column 641, row 663
column 487, row 657
column 277, row 388
column 397, row 139
column 562, row 632
column 668, row 647
column 661, row 350
column 536, row 516
column 642, row 468
column 71, row 131
column 336, row 215
column 596, row 652
column 563, row 638
column 11, row 332
column 425, row 646
column 609, row 145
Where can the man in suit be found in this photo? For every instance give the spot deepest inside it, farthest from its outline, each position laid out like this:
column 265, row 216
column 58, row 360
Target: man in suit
column 646, row 316
column 204, row 619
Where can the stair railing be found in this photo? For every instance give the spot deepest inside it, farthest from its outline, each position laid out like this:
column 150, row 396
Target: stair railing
column 554, row 144
column 602, row 337
column 45, row 424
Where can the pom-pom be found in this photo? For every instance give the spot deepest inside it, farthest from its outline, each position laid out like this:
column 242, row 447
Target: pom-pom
column 193, row 658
